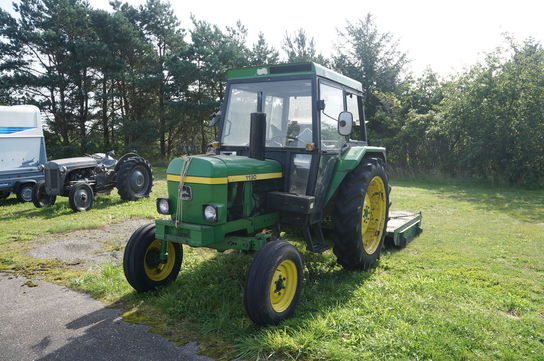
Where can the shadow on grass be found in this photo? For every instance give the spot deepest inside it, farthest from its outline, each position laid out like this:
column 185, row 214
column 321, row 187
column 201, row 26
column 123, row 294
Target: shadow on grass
column 9, row 201
column 117, row 341
column 209, row 297
column 525, row 205
column 59, row 209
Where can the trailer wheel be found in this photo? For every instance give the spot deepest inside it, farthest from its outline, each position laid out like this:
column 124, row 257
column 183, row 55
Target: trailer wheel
column 141, row 262
column 40, row 198
column 24, row 192
column 360, row 215
column 4, row 194
column 273, row 283
column 134, row 179
column 81, row 197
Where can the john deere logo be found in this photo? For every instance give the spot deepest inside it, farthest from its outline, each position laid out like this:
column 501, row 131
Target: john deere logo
column 186, row 194
column 262, row 71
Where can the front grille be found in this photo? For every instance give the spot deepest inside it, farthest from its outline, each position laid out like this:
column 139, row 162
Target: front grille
column 52, row 179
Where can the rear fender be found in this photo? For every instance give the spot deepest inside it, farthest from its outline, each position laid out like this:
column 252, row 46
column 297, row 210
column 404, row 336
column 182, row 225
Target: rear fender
column 123, row 159
column 347, row 162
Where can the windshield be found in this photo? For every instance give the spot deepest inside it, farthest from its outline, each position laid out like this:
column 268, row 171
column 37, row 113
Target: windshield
column 288, row 108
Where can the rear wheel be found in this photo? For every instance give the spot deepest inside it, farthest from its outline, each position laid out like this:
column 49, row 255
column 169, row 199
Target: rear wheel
column 134, row 179
column 273, row 283
column 361, row 214
column 39, row 196
column 143, row 267
column 24, row 193
column 81, row 197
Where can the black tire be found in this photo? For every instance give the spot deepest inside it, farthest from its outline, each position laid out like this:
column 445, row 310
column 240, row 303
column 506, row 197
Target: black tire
column 81, row 197
column 40, row 198
column 348, row 216
column 142, row 269
column 134, row 179
column 4, row 194
column 266, row 266
column 24, row 192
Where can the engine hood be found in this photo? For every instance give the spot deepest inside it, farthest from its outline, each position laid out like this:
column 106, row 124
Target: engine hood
column 72, row 163
column 218, row 169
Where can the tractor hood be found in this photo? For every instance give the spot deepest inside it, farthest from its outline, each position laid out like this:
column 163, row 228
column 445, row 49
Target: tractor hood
column 221, row 169
column 72, row 163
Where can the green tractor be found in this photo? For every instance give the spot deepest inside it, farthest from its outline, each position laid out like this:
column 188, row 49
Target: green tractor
column 283, row 157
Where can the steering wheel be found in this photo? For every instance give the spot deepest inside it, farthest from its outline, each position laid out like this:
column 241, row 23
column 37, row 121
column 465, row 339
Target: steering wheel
column 278, row 139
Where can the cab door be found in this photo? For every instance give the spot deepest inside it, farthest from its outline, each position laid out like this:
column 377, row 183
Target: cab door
column 335, row 99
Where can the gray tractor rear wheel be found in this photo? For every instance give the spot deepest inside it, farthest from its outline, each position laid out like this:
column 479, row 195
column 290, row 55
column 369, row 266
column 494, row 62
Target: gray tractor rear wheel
column 134, row 179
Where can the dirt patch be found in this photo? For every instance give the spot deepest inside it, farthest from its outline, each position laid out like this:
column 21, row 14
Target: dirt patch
column 88, row 247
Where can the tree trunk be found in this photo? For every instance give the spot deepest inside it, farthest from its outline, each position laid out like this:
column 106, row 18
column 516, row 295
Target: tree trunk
column 105, row 125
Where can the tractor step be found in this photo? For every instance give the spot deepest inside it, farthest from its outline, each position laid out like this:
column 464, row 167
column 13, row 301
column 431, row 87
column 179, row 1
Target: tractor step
column 402, row 228
column 319, row 245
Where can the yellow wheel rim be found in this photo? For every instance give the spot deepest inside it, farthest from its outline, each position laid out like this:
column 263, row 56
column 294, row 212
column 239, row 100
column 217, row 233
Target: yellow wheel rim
column 373, row 215
column 283, row 286
column 154, row 269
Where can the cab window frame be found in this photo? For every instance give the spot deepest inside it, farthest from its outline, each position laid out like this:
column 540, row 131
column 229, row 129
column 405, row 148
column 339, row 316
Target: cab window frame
column 345, row 92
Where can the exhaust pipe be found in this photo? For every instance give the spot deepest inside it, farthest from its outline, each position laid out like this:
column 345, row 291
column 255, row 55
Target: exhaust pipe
column 257, row 136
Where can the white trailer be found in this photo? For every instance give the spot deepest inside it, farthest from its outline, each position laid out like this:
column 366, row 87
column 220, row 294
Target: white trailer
column 22, row 150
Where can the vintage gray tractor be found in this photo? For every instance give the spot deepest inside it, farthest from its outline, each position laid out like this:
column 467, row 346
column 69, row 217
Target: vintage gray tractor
column 81, row 178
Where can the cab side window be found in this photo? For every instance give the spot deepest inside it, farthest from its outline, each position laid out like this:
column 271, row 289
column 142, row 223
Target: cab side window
column 334, row 105
column 353, row 107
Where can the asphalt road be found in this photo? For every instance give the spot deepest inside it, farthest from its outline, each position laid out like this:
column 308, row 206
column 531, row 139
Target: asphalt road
column 50, row 322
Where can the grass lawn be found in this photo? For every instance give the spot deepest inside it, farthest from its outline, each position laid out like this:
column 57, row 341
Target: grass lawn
column 471, row 287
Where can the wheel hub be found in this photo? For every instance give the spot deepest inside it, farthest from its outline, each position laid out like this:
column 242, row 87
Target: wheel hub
column 373, row 215
column 283, row 285
column 27, row 194
column 137, row 180
column 280, row 285
column 154, row 268
column 82, row 198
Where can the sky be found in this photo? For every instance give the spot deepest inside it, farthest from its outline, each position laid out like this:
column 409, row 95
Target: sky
column 447, row 36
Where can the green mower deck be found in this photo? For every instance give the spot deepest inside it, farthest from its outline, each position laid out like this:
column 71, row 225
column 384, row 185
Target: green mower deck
column 403, row 227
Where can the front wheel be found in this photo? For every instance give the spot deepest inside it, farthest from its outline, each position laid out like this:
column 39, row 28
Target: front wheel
column 273, row 283
column 40, row 198
column 81, row 197
column 142, row 263
column 360, row 215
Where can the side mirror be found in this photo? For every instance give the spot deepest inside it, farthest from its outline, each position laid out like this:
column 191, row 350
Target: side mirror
column 215, row 118
column 345, row 123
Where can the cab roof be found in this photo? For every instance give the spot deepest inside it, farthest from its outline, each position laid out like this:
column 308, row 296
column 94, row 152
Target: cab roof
column 267, row 71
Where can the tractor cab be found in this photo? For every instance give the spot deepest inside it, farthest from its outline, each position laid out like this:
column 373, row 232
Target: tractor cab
column 310, row 112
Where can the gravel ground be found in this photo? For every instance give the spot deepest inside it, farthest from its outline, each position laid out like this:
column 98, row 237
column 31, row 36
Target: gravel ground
column 43, row 321
column 86, row 248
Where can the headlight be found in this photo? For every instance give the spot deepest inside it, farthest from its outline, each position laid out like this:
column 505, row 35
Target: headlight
column 210, row 213
column 163, row 205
